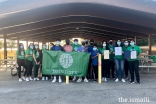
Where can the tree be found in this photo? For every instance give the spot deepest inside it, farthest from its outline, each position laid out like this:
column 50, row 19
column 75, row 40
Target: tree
column 11, row 44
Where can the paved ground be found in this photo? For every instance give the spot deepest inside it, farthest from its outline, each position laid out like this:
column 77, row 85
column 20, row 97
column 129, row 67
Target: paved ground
column 45, row 92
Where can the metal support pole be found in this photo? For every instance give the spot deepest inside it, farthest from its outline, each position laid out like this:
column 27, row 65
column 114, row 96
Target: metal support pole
column 149, row 43
column 99, row 69
column 136, row 39
column 67, row 79
column 27, row 43
column 5, row 47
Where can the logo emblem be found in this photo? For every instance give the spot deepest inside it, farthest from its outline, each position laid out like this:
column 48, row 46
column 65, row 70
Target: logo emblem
column 66, row 60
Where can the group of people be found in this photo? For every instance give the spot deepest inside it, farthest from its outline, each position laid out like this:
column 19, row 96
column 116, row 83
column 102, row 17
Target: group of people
column 32, row 58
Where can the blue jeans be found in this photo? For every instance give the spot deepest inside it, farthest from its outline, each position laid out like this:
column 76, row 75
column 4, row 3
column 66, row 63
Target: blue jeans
column 119, row 68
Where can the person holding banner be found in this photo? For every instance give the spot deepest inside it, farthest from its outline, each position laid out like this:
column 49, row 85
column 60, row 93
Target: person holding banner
column 94, row 56
column 126, row 66
column 44, row 47
column 51, row 46
column 119, row 61
column 75, row 46
column 29, row 61
column 105, row 61
column 57, row 47
column 20, row 53
column 67, row 47
column 82, row 49
column 111, row 58
column 133, row 61
column 36, row 61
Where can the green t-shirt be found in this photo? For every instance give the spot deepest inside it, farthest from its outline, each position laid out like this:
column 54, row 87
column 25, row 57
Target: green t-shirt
column 21, row 56
column 154, row 58
column 125, row 48
column 101, row 50
column 111, row 50
column 36, row 54
column 75, row 47
column 29, row 52
column 137, row 49
column 120, row 57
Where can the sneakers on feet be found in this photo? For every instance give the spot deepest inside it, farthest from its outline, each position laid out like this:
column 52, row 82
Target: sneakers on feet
column 95, row 80
column 123, row 80
column 74, row 79
column 46, row 78
column 60, row 80
column 54, row 80
column 131, row 82
column 20, row 80
column 138, row 83
column 116, row 80
column 37, row 79
column 85, row 80
column 27, row 79
column 42, row 78
column 30, row 79
column 126, row 78
column 103, row 79
column 23, row 78
column 79, row 80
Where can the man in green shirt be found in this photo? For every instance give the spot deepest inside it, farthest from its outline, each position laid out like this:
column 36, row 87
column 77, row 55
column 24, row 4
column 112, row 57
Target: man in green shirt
column 134, row 63
column 75, row 45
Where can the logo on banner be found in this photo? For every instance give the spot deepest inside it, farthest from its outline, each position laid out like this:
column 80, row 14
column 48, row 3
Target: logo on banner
column 66, row 60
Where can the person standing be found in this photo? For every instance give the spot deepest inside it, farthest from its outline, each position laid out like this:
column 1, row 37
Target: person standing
column 134, row 63
column 44, row 47
column 57, row 47
column 36, row 61
column 68, row 47
column 105, row 62
column 20, row 54
column 119, row 62
column 82, row 49
column 75, row 46
column 29, row 61
column 126, row 66
column 94, row 57
column 111, row 58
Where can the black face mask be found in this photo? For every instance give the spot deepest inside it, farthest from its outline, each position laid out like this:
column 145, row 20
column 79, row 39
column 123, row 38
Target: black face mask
column 67, row 43
column 110, row 42
column 91, row 43
column 83, row 44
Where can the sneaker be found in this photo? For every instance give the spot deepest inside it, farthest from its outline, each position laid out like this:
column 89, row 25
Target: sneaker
column 54, row 80
column 95, row 80
column 46, row 78
column 42, row 78
column 103, row 79
column 138, row 83
column 123, row 80
column 23, row 78
column 60, row 80
column 116, row 80
column 74, row 79
column 27, row 79
column 126, row 78
column 37, row 79
column 20, row 80
column 79, row 80
column 131, row 82
column 30, row 79
column 85, row 80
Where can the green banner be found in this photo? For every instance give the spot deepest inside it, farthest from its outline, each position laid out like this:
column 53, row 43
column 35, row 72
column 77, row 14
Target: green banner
column 65, row 63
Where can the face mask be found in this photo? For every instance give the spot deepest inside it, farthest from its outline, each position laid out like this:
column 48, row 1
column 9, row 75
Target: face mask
column 126, row 44
column 21, row 46
column 58, row 42
column 94, row 49
column 83, row 44
column 44, row 47
column 75, row 43
column 36, row 47
column 104, row 45
column 119, row 43
column 132, row 43
column 31, row 47
column 111, row 42
column 91, row 43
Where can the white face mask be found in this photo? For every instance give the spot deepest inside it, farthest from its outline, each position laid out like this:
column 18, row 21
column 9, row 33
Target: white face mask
column 104, row 45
